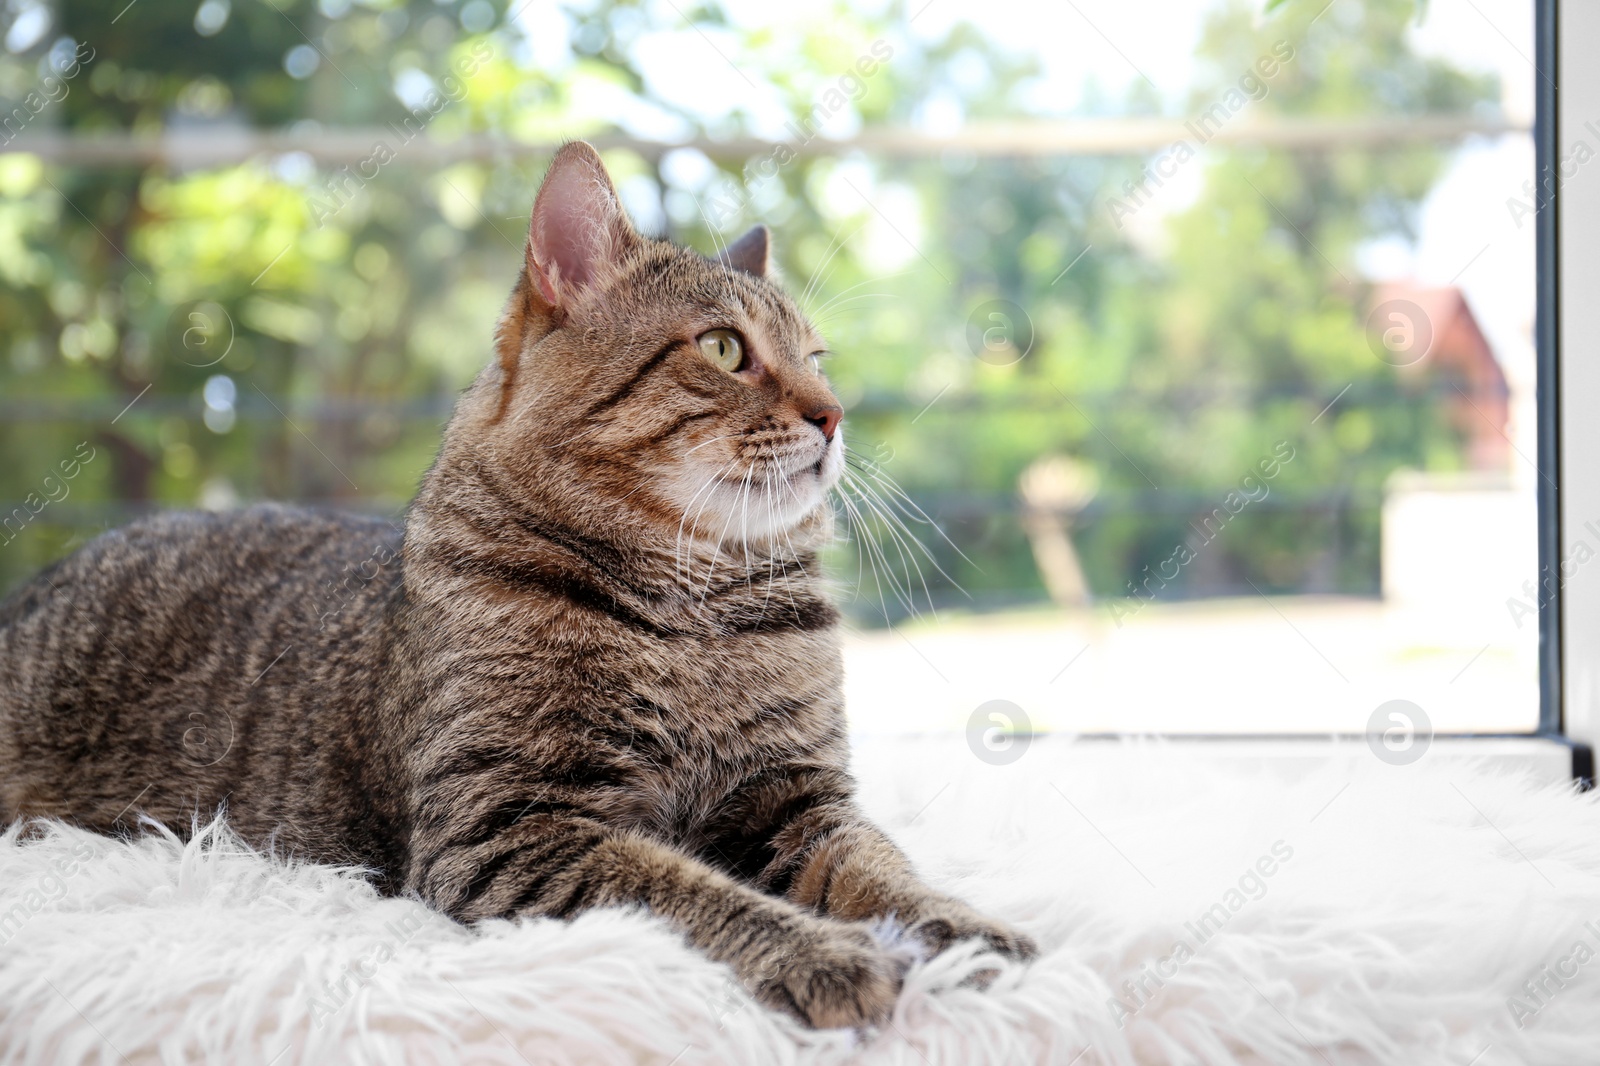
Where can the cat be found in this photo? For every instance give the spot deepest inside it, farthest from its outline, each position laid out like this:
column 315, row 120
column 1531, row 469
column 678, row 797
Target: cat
column 597, row 667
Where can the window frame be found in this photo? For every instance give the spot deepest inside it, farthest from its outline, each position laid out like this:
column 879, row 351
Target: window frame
column 1546, row 129
column 1569, row 443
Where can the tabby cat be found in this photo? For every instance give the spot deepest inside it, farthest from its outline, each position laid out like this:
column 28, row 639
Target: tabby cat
column 597, row 668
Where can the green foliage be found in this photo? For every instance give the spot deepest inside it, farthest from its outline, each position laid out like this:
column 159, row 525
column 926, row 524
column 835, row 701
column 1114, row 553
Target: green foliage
column 346, row 313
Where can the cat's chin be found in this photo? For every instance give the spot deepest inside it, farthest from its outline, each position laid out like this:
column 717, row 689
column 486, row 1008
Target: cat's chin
column 766, row 512
column 755, row 510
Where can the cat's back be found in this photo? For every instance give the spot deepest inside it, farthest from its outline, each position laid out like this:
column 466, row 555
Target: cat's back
column 183, row 572
column 177, row 646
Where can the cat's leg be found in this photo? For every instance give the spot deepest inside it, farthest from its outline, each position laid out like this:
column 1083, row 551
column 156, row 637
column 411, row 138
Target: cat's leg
column 827, row 973
column 852, row 871
column 797, row 833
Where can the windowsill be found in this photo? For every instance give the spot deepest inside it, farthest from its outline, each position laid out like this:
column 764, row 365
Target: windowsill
column 1543, row 758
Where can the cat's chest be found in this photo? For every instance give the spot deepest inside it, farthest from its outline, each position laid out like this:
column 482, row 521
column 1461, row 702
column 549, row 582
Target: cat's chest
column 716, row 716
column 732, row 704
column 749, row 671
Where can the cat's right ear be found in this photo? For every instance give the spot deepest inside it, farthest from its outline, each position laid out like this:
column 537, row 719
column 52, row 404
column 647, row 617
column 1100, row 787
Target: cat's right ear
column 579, row 232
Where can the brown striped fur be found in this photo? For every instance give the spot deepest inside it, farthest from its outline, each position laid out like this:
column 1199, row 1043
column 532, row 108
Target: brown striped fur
column 597, row 667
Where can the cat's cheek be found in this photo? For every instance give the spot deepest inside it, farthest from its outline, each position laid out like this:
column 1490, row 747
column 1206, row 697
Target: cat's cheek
column 686, row 487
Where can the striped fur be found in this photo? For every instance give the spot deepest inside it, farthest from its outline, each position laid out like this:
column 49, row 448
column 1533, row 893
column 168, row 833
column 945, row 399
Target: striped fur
column 596, row 667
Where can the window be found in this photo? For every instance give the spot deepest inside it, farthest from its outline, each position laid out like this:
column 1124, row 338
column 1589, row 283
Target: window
column 1189, row 348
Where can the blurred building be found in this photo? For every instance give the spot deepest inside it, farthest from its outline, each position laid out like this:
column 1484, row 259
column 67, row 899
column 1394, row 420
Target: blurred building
column 1460, row 368
column 1450, row 536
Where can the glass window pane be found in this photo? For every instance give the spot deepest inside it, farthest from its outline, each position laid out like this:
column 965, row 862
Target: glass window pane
column 1187, row 346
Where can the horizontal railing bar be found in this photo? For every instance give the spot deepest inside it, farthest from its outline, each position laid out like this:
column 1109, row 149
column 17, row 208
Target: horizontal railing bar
column 43, row 410
column 941, row 506
column 223, row 145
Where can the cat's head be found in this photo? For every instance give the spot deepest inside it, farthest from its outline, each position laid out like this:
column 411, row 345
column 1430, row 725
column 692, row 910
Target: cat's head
column 685, row 388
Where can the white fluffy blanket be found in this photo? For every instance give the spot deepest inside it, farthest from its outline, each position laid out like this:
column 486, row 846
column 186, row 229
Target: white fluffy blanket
column 1433, row 913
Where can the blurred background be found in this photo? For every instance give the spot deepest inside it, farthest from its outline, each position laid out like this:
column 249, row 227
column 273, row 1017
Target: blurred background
column 1186, row 344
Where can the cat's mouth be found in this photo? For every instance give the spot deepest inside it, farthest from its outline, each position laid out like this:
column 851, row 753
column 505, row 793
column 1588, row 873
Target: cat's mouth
column 780, row 472
column 777, row 478
column 821, row 469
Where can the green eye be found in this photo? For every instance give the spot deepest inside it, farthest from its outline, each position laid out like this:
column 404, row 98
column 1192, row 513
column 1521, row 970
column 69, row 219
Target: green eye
column 724, row 348
column 815, row 359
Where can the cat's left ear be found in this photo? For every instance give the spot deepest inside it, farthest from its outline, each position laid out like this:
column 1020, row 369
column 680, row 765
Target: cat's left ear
column 579, row 232
column 750, row 252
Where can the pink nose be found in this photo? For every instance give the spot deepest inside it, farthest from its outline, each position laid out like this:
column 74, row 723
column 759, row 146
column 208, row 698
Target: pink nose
column 826, row 419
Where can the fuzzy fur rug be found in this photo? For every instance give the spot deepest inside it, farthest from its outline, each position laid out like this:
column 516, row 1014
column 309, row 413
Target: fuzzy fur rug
column 1434, row 913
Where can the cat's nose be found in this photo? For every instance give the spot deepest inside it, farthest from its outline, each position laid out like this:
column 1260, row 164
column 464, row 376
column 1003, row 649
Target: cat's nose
column 826, row 419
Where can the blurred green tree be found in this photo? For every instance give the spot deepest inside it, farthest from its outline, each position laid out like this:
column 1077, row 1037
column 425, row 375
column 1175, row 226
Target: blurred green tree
column 284, row 328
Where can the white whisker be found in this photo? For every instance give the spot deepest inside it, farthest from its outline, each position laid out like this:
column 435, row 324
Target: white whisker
column 907, row 506
column 716, row 551
column 708, row 488
column 876, row 507
column 716, row 238
column 908, row 563
column 873, row 553
column 843, row 301
column 713, row 440
column 817, row 279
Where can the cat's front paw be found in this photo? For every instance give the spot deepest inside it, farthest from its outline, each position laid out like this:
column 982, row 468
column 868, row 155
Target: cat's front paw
column 830, row 975
column 941, row 923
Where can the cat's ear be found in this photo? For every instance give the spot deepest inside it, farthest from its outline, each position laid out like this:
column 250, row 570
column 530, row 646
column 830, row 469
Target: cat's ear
column 750, row 252
column 579, row 231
